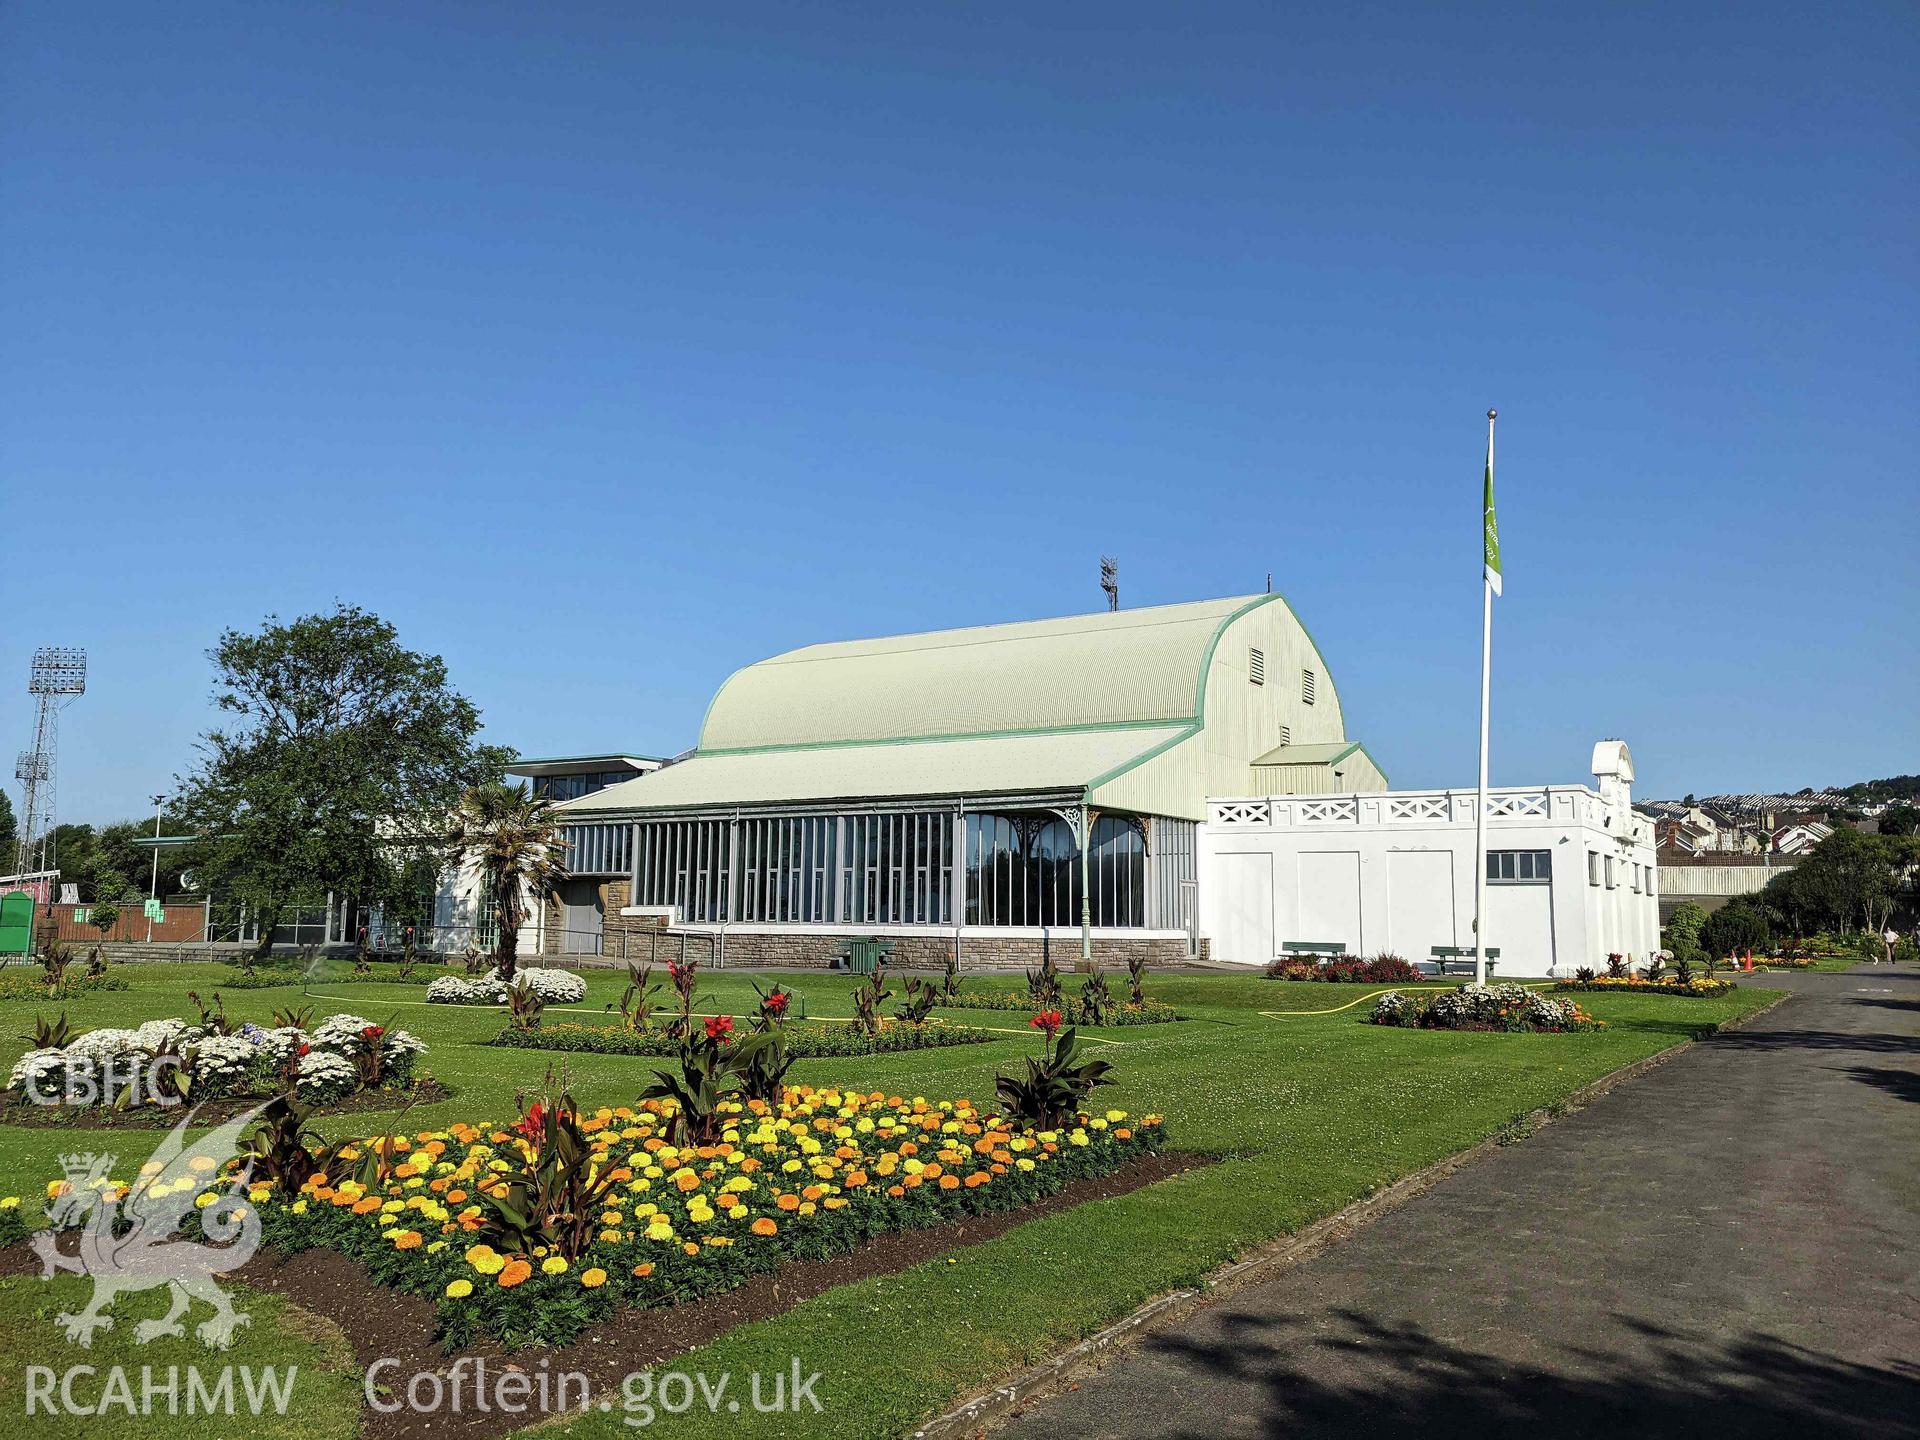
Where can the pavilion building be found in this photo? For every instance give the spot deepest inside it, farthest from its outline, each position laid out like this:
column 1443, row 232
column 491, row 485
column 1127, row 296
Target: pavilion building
column 987, row 792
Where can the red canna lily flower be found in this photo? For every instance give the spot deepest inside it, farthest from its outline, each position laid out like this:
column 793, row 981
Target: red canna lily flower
column 776, row 1003
column 719, row 1027
column 1047, row 1020
column 373, row 1032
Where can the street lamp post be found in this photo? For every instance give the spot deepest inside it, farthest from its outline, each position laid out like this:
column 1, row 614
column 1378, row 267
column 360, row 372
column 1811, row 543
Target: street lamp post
column 153, row 885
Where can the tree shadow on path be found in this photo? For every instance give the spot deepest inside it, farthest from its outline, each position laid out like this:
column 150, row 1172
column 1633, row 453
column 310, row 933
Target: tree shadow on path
column 1355, row 1377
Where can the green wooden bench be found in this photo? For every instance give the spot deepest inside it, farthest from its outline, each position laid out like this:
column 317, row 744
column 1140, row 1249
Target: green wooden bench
column 1458, row 959
column 1313, row 947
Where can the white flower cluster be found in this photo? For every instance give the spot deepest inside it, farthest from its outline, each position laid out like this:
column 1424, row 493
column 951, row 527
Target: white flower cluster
column 556, row 987
column 343, row 1035
column 222, row 1064
column 39, row 1069
column 100, row 1066
column 324, row 1076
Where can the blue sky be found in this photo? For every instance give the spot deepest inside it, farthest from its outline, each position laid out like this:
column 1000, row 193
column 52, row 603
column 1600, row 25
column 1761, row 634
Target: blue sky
column 604, row 348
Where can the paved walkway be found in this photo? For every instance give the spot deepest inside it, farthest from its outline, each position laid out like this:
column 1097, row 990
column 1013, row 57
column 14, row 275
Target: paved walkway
column 1728, row 1246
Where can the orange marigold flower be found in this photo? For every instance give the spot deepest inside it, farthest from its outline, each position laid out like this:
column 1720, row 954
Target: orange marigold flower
column 407, row 1240
column 690, row 1248
column 787, row 1202
column 855, row 1178
column 895, row 1191
column 765, row 1225
column 949, row 1182
column 640, row 1272
column 515, row 1272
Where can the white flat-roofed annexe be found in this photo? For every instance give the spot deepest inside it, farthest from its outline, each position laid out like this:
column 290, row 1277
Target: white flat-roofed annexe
column 938, row 787
column 1571, row 873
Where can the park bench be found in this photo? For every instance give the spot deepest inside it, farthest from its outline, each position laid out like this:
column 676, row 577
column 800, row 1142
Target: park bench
column 1328, row 948
column 1458, row 959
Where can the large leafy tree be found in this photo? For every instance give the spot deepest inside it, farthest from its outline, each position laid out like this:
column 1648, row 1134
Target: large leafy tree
column 344, row 754
column 9, row 832
column 511, row 839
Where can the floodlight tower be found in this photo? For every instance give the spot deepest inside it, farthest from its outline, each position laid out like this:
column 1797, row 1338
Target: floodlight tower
column 59, row 674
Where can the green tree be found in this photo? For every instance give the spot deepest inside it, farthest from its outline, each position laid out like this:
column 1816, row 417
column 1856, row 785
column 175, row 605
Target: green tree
column 345, row 754
column 104, row 917
column 1900, row 820
column 511, row 839
column 9, row 832
column 1738, row 926
column 1682, row 935
column 1844, row 876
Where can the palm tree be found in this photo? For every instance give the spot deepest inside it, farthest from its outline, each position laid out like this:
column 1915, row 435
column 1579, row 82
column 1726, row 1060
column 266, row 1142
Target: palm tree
column 512, row 838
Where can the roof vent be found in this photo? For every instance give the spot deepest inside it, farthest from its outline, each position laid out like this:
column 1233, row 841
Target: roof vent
column 1256, row 667
column 1286, row 734
column 1306, row 686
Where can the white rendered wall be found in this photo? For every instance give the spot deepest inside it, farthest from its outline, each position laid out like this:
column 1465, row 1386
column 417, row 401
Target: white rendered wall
column 1393, row 871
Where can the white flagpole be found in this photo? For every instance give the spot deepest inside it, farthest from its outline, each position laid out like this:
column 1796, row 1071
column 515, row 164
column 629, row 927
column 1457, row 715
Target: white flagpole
column 1480, row 799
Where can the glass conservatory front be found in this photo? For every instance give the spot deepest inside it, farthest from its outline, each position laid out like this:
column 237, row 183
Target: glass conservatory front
column 1018, row 868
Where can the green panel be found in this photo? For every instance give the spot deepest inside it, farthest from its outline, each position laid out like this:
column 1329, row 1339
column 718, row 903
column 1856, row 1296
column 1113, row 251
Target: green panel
column 16, row 922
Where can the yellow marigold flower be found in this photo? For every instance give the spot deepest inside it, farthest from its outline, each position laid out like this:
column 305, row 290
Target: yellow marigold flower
column 459, row 1289
column 553, row 1265
column 593, row 1279
column 659, row 1230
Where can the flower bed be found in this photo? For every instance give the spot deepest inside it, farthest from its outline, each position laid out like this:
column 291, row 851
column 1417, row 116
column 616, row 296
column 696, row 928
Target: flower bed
column 164, row 1062
column 31, row 985
column 808, row 1178
column 554, row 987
column 12, row 1228
column 1700, row 986
column 804, row 1041
column 1347, row 970
column 1511, row 1008
column 1152, row 1012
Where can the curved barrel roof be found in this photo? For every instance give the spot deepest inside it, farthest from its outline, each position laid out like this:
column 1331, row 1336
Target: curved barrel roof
column 1112, row 707
column 1124, row 667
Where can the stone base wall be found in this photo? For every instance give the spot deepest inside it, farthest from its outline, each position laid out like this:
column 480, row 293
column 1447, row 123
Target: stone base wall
column 745, row 950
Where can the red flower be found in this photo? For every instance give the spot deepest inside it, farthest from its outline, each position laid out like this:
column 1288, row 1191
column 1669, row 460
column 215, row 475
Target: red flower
column 776, row 1003
column 719, row 1027
column 535, row 1122
column 304, row 1048
column 373, row 1032
column 1047, row 1020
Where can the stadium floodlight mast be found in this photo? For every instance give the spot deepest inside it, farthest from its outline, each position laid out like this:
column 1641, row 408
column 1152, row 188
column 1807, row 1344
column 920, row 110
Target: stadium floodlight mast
column 57, row 675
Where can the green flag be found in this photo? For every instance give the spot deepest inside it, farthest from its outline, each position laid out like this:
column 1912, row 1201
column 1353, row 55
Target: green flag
column 1492, row 525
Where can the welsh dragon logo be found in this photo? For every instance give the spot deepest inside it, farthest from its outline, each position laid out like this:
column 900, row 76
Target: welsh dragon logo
column 129, row 1233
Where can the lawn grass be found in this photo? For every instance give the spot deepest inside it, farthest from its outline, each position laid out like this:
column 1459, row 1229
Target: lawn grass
column 1305, row 1112
column 324, row 1403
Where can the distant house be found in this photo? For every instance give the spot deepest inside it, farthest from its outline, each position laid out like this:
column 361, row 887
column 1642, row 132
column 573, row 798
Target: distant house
column 1800, row 837
column 1700, row 831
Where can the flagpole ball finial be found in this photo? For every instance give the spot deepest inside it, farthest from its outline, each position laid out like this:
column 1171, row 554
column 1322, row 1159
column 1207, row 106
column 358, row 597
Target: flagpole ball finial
column 1492, row 413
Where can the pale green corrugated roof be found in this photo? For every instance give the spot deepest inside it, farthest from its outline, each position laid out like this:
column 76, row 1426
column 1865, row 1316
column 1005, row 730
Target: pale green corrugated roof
column 1125, row 667
column 1322, row 754
column 1011, row 764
